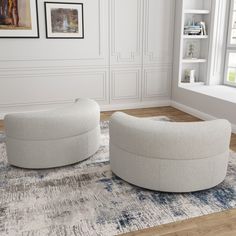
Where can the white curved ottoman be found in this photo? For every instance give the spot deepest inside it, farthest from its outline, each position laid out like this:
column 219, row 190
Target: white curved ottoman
column 53, row 138
column 169, row 156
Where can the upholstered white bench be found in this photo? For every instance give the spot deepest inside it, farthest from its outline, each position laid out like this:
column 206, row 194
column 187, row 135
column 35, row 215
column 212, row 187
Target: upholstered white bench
column 169, row 156
column 53, row 138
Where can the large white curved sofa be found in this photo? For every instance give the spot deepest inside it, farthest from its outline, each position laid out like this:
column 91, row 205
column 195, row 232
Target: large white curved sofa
column 53, row 138
column 169, row 156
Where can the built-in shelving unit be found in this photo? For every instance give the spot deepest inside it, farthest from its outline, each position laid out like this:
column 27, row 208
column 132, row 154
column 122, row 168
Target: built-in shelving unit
column 194, row 42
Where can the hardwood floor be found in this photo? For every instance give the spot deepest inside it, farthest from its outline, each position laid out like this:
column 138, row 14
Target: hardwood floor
column 171, row 112
column 218, row 224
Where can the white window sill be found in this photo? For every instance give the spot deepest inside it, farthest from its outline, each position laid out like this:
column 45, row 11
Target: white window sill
column 222, row 92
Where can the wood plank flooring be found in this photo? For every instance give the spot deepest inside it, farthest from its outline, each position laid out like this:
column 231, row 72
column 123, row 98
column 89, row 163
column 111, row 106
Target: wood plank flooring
column 218, row 224
column 171, row 112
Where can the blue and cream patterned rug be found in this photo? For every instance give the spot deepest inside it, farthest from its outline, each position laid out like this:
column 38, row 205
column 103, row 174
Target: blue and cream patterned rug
column 87, row 199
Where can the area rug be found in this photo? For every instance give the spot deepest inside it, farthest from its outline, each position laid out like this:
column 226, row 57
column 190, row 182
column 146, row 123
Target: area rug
column 87, row 199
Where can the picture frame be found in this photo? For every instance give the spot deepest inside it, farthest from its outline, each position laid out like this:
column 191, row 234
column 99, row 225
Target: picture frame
column 64, row 20
column 19, row 19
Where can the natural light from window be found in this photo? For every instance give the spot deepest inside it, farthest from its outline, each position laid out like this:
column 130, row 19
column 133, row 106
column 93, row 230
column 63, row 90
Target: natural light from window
column 231, row 77
column 231, row 48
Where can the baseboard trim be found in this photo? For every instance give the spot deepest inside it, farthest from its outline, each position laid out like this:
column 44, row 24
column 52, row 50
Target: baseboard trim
column 107, row 107
column 197, row 113
column 149, row 104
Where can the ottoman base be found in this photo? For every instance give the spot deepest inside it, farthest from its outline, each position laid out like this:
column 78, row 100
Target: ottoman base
column 52, row 153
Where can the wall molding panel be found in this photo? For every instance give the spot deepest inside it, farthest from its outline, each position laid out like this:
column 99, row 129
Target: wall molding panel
column 53, row 88
column 125, row 84
column 158, row 31
column 126, row 42
column 156, row 81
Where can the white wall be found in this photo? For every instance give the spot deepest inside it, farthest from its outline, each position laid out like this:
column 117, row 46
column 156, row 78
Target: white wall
column 125, row 59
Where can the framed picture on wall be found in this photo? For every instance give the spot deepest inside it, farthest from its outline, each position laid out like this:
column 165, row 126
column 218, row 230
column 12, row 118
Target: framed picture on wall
column 64, row 20
column 19, row 19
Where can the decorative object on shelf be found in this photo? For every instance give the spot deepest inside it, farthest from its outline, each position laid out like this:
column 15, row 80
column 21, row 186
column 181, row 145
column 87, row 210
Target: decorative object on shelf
column 64, row 20
column 203, row 26
column 189, row 76
column 192, row 76
column 186, row 76
column 192, row 50
column 18, row 19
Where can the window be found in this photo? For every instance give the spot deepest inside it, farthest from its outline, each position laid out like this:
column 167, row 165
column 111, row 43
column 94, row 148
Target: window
column 230, row 70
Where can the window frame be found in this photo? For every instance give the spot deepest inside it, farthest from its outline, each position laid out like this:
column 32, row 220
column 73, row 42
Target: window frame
column 230, row 48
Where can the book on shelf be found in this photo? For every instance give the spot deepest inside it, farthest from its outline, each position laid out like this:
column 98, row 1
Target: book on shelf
column 197, row 29
column 192, row 30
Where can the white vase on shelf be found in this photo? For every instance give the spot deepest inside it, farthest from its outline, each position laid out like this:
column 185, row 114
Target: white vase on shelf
column 192, row 76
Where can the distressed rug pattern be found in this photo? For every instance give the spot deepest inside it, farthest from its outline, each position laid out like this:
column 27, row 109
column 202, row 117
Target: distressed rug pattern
column 87, row 199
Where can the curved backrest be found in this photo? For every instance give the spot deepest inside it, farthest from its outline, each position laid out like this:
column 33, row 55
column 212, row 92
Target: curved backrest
column 169, row 140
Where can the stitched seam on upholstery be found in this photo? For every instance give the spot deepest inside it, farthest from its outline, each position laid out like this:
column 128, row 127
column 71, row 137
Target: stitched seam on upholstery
column 51, row 139
column 167, row 158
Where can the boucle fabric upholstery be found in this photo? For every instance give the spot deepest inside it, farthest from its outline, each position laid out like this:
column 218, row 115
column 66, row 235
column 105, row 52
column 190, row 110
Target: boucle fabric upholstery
column 53, row 138
column 169, row 156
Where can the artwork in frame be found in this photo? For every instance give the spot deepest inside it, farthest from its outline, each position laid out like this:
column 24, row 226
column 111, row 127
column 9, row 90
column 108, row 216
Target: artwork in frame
column 64, row 20
column 19, row 19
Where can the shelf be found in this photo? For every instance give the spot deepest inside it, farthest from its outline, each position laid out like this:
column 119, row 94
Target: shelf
column 182, row 84
column 193, row 11
column 189, row 61
column 195, row 36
